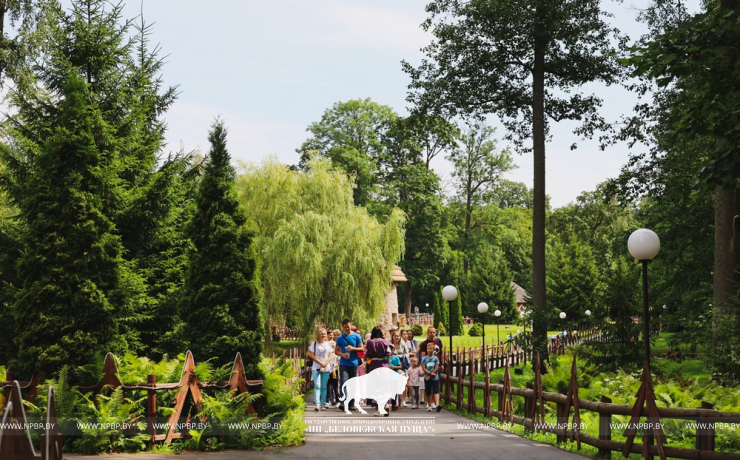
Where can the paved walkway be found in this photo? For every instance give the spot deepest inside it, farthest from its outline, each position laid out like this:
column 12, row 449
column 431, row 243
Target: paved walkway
column 404, row 435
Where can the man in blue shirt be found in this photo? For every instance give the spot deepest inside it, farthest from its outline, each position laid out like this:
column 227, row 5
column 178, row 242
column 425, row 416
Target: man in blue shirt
column 347, row 346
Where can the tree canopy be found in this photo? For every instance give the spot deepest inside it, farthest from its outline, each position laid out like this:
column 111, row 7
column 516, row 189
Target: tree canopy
column 324, row 258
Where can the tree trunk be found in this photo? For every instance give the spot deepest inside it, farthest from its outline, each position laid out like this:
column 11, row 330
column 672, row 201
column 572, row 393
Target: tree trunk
column 539, row 291
column 724, row 254
column 724, row 231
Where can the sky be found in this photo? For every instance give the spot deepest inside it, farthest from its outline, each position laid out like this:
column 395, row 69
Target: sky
column 269, row 68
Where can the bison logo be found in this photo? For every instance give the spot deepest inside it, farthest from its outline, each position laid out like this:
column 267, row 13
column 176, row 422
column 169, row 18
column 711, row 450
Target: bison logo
column 380, row 385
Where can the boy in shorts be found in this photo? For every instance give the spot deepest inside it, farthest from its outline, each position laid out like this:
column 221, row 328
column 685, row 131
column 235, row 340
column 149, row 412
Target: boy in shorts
column 430, row 367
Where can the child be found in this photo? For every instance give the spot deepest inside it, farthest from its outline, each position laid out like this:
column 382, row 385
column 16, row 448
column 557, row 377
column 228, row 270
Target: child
column 395, row 364
column 416, row 377
column 430, row 366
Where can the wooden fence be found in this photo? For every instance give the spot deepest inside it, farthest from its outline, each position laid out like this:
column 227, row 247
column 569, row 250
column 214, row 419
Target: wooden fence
column 189, row 384
column 459, row 389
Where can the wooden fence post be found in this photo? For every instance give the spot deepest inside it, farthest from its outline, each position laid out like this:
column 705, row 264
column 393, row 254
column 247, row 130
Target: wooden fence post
column 487, row 395
column 605, row 429
column 501, row 401
column 151, row 407
column 705, row 436
column 459, row 380
column 529, row 410
column 561, row 420
column 471, row 386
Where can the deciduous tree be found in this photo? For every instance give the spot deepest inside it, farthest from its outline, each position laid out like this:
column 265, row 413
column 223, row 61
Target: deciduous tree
column 526, row 62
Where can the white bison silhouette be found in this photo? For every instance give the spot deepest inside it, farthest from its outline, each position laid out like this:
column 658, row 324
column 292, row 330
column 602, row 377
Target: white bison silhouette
column 381, row 384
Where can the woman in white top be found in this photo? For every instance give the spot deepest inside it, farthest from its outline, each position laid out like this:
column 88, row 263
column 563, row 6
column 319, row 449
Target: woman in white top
column 322, row 354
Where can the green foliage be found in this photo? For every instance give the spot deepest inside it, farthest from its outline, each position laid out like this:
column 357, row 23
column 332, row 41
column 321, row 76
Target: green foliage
column 723, row 356
column 441, row 309
column 103, row 99
column 574, row 282
column 441, row 330
column 490, row 282
column 693, row 54
column 70, row 303
column 75, row 408
column 221, row 297
column 351, row 134
column 325, row 258
column 417, row 330
column 456, row 317
column 622, row 349
column 476, row 330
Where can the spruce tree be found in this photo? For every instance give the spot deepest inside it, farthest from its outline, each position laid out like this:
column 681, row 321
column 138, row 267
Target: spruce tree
column 490, row 282
column 437, row 311
column 456, row 317
column 71, row 266
column 144, row 194
column 221, row 298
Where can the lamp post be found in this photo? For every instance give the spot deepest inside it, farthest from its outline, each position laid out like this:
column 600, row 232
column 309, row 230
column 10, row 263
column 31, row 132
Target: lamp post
column 497, row 314
column 449, row 293
column 483, row 309
column 643, row 245
column 562, row 316
column 588, row 318
column 427, row 311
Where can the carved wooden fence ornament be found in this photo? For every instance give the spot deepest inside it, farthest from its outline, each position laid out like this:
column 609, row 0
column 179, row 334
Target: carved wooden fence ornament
column 15, row 440
column 645, row 396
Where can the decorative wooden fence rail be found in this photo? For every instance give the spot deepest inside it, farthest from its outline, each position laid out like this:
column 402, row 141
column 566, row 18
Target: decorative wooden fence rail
column 15, row 443
column 459, row 388
column 188, row 385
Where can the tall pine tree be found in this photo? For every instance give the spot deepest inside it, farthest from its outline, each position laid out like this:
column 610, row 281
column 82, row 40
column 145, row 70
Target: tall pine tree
column 221, row 298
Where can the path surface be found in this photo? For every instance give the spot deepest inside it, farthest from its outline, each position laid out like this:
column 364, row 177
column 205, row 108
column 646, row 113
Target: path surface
column 417, row 434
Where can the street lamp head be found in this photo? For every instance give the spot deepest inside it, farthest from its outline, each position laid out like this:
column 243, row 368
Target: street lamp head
column 497, row 313
column 482, row 307
column 427, row 305
column 562, row 315
column 588, row 312
column 643, row 244
column 449, row 293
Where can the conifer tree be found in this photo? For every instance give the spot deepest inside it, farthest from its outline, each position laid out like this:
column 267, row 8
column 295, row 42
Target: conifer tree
column 221, row 298
column 437, row 311
column 71, row 266
column 490, row 282
column 456, row 317
column 143, row 200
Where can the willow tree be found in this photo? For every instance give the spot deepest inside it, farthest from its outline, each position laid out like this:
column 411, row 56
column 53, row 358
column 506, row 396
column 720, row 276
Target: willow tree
column 324, row 258
column 526, row 62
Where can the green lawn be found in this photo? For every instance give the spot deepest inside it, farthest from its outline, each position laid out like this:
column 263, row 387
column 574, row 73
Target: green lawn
column 468, row 341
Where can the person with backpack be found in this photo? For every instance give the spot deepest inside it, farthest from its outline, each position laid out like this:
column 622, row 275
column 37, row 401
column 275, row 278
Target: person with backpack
column 321, row 353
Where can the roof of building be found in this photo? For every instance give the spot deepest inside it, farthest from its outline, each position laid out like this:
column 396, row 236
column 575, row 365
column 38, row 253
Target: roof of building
column 521, row 294
column 398, row 276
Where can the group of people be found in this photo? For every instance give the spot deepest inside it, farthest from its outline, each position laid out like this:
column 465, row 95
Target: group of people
column 341, row 355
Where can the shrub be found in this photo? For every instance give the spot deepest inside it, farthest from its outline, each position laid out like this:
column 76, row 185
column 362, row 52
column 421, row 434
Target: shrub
column 441, row 330
column 417, row 329
column 476, row 330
